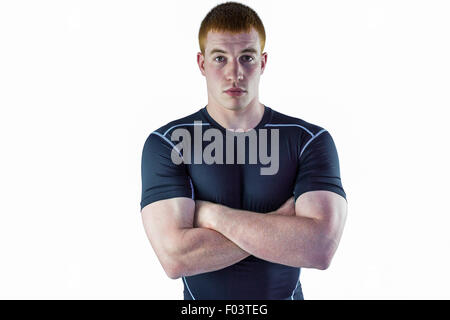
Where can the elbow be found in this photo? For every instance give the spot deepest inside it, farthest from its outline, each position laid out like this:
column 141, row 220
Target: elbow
column 320, row 262
column 173, row 269
column 172, row 273
column 172, row 263
column 173, row 259
column 323, row 263
column 325, row 254
column 170, row 259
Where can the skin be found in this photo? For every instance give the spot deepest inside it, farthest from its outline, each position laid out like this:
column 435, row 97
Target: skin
column 182, row 247
column 233, row 68
column 192, row 237
column 307, row 239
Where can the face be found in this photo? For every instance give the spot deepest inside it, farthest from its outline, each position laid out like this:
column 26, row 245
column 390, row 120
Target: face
column 232, row 61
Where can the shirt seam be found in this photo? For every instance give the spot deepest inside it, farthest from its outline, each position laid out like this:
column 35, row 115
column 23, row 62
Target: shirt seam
column 311, row 140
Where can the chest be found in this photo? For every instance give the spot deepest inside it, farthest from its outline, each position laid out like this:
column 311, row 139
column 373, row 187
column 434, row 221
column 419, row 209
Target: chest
column 246, row 179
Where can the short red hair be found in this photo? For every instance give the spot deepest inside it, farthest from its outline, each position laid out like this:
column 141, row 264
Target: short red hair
column 231, row 17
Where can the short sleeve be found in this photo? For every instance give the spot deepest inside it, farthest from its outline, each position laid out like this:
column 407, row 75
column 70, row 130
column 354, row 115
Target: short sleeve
column 319, row 167
column 161, row 178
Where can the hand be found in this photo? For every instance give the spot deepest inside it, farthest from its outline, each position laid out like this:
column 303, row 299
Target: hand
column 203, row 214
column 287, row 209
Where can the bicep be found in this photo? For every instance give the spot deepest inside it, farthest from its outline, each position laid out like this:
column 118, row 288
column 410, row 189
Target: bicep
column 164, row 221
column 328, row 210
column 165, row 217
column 324, row 206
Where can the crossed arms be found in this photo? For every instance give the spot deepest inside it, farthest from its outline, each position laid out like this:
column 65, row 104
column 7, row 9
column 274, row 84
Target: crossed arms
column 191, row 237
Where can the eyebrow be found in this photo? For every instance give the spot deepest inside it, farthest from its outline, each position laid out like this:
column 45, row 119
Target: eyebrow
column 251, row 50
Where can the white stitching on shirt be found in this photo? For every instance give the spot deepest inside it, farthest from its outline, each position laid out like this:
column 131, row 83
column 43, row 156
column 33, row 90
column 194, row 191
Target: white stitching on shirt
column 310, row 140
column 187, row 124
column 288, row 125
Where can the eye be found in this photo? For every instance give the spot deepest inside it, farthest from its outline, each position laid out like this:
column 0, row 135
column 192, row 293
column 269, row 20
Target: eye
column 248, row 58
column 215, row 59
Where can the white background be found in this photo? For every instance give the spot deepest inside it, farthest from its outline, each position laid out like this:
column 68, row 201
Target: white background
column 83, row 83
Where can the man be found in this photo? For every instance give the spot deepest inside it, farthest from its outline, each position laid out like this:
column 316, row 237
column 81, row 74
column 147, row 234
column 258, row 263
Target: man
column 234, row 227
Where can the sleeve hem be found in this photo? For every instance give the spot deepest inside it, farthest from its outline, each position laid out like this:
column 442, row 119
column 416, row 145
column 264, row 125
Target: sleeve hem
column 163, row 196
column 334, row 189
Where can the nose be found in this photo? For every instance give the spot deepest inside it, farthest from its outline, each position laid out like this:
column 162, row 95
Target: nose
column 234, row 71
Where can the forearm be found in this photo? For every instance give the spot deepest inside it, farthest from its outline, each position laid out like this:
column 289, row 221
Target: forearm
column 203, row 250
column 288, row 240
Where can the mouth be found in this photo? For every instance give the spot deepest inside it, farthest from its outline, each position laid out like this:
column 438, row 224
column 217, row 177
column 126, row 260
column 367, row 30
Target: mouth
column 235, row 92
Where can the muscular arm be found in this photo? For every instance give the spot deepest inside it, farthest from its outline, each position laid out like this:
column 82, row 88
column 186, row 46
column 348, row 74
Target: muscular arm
column 185, row 248
column 308, row 239
column 181, row 249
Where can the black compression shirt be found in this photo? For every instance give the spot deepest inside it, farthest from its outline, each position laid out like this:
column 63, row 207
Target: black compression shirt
column 308, row 161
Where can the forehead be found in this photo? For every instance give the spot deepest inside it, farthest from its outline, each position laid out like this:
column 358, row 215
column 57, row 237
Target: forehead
column 227, row 40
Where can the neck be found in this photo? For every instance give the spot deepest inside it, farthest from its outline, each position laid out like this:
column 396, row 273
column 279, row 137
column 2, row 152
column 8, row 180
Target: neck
column 244, row 118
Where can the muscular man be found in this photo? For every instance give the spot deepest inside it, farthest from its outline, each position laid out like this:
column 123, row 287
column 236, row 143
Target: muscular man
column 239, row 221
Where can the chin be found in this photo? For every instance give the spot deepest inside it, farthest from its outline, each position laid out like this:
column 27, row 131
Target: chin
column 234, row 105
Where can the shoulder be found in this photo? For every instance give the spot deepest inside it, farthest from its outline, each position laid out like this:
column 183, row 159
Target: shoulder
column 186, row 122
column 286, row 122
column 163, row 133
column 309, row 136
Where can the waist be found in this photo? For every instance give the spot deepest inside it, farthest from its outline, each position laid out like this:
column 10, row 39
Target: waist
column 251, row 278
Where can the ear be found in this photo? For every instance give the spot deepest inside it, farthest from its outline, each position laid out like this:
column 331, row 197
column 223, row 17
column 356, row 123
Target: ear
column 201, row 63
column 263, row 61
